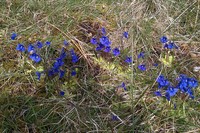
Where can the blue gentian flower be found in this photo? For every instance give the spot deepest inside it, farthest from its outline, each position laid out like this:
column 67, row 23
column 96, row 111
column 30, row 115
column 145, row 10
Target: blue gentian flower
column 13, row 36
column 20, row 47
column 166, row 46
column 155, row 64
column 181, row 77
column 35, row 57
column 163, row 39
column 115, row 118
column 128, row 59
column 73, row 56
column 59, row 62
column 124, row 86
column 73, row 73
column 104, row 40
column 186, row 84
column 183, row 87
column 65, row 43
column 103, row 31
column 170, row 45
column 192, row 83
column 38, row 74
column 190, row 93
column 125, row 34
column 141, row 55
column 171, row 91
column 158, row 93
column 160, row 78
column 39, row 44
column 100, row 47
column 116, row 51
column 162, row 82
column 48, row 43
column 167, row 96
column 62, row 93
column 183, row 83
column 63, row 54
column 142, row 67
column 107, row 49
column 93, row 41
column 31, row 48
column 61, row 74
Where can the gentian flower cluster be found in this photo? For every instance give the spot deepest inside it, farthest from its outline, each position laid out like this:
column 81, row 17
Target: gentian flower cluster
column 103, row 43
column 31, row 50
column 162, row 82
column 104, row 40
column 185, row 85
column 58, row 64
column 56, row 69
column 168, row 44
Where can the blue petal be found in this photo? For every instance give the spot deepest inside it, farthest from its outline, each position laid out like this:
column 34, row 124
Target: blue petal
column 125, row 34
column 128, row 60
column 163, row 39
column 103, row 31
column 116, row 52
column 13, row 36
column 48, row 43
column 73, row 73
column 93, row 41
column 157, row 93
column 65, row 43
column 62, row 93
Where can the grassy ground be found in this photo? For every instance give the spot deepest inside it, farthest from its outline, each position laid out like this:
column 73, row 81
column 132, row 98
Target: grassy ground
column 91, row 100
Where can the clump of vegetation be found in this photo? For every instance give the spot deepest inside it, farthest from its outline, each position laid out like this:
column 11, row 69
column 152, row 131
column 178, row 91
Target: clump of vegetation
column 88, row 66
